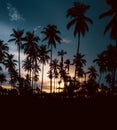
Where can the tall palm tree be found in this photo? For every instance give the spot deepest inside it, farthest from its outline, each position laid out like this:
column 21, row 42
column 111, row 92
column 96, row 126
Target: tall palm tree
column 11, row 64
column 31, row 49
column 44, row 58
column 112, row 25
column 51, row 34
column 79, row 20
column 17, row 37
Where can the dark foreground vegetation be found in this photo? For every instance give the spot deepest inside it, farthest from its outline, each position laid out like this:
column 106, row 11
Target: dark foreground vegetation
column 59, row 110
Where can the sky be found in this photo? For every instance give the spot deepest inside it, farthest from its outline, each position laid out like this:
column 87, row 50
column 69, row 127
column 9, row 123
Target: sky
column 36, row 14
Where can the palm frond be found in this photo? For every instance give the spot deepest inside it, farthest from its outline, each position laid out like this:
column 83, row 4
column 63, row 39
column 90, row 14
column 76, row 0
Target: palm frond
column 108, row 13
column 71, row 23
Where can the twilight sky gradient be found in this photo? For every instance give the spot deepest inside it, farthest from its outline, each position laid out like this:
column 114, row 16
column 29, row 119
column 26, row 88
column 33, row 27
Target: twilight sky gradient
column 36, row 14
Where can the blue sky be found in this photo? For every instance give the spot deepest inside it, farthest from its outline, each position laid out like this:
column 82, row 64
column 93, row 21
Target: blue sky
column 36, row 14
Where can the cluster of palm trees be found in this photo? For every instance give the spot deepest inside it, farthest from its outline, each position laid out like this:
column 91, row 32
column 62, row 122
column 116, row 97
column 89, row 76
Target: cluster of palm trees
column 37, row 55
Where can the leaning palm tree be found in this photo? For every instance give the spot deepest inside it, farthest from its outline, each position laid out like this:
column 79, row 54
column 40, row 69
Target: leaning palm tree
column 44, row 58
column 51, row 34
column 112, row 25
column 79, row 20
column 17, row 37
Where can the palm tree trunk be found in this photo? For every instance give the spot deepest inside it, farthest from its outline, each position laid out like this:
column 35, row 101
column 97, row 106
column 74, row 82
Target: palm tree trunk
column 78, row 49
column 54, row 85
column 51, row 72
column 19, row 63
column 76, row 55
column 42, row 77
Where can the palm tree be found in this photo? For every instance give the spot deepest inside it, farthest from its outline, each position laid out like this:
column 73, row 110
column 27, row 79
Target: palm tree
column 11, row 63
column 31, row 49
column 17, row 37
column 100, row 61
column 44, row 58
column 79, row 62
column 62, row 53
column 67, row 65
column 111, row 61
column 3, row 52
column 51, row 34
column 55, row 68
column 92, row 73
column 27, row 66
column 79, row 20
column 112, row 25
column 30, row 43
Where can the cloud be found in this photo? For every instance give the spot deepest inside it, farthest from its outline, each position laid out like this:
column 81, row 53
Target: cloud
column 13, row 13
column 64, row 40
column 36, row 28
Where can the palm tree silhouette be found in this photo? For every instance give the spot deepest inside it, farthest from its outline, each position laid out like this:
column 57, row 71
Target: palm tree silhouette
column 44, row 58
column 100, row 61
column 17, row 37
column 92, row 73
column 31, row 49
column 11, row 64
column 51, row 34
column 62, row 53
column 3, row 52
column 79, row 63
column 67, row 65
column 55, row 68
column 79, row 20
column 112, row 25
column 111, row 61
column 27, row 66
